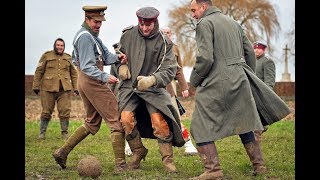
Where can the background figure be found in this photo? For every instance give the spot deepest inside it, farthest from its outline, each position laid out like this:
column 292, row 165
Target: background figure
column 90, row 55
column 266, row 71
column 265, row 67
column 145, row 106
column 54, row 79
column 172, row 89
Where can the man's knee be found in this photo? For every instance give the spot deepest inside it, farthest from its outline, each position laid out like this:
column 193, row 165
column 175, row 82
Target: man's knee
column 160, row 126
column 127, row 120
column 46, row 116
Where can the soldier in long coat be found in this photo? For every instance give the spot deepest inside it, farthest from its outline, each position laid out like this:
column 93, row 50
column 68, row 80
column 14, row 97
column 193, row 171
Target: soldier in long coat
column 54, row 80
column 223, row 74
column 145, row 106
column 266, row 71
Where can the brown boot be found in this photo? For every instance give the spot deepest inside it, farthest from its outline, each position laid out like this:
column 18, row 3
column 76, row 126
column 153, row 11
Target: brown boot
column 61, row 154
column 139, row 152
column 254, row 152
column 118, row 143
column 209, row 157
column 167, row 156
column 258, row 133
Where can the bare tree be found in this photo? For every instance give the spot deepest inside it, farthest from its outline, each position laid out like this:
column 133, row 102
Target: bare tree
column 257, row 17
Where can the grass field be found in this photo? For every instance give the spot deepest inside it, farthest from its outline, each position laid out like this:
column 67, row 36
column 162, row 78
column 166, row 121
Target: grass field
column 278, row 147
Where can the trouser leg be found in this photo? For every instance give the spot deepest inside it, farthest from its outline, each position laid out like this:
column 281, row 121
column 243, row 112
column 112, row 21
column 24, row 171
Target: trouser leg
column 47, row 103
column 64, row 109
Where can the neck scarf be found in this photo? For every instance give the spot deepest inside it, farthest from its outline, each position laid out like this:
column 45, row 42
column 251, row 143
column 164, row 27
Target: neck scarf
column 85, row 25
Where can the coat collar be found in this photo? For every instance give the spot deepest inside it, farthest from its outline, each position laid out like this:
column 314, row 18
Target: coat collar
column 211, row 10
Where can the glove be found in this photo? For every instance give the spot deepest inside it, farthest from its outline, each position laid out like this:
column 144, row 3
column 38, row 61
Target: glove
column 144, row 82
column 124, row 72
column 76, row 92
column 36, row 91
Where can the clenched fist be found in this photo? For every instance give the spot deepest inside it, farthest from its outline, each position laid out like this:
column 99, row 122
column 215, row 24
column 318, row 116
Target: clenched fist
column 144, row 82
column 124, row 72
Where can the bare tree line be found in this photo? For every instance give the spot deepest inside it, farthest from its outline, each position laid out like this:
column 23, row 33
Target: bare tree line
column 257, row 17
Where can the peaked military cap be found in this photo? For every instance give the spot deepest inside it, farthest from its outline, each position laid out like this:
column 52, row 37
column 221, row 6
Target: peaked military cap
column 95, row 12
column 259, row 44
column 147, row 14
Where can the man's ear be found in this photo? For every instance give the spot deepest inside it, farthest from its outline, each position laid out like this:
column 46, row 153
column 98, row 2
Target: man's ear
column 204, row 5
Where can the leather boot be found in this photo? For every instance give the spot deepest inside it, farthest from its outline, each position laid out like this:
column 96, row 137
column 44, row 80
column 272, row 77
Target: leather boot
column 209, row 157
column 254, row 152
column 43, row 128
column 166, row 152
column 258, row 133
column 118, row 144
column 61, row 154
column 139, row 152
column 64, row 123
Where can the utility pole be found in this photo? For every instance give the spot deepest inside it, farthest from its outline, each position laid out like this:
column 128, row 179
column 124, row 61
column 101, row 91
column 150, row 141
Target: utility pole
column 286, row 74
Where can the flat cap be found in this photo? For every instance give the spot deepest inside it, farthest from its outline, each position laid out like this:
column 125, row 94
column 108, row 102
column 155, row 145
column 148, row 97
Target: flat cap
column 95, row 12
column 147, row 14
column 259, row 44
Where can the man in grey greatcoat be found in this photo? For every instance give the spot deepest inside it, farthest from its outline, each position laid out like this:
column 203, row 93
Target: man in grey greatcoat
column 225, row 103
column 266, row 71
column 145, row 106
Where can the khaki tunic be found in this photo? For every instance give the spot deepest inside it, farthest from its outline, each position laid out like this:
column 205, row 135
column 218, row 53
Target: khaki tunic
column 53, row 69
column 55, row 76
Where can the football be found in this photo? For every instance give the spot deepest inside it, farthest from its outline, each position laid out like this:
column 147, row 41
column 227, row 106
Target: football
column 89, row 166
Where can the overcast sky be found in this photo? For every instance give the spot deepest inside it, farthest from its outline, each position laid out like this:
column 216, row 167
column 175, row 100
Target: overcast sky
column 46, row 20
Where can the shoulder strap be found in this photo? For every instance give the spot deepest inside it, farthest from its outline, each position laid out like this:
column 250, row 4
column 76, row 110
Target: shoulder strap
column 165, row 51
column 82, row 32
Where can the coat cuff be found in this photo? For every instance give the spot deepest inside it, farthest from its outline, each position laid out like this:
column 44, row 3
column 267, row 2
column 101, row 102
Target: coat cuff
column 195, row 78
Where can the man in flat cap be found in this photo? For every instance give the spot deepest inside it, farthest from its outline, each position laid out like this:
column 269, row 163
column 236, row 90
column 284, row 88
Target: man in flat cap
column 266, row 71
column 145, row 105
column 90, row 55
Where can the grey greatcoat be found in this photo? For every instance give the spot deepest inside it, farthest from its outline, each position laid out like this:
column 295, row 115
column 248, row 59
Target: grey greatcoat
column 224, row 102
column 135, row 46
column 266, row 70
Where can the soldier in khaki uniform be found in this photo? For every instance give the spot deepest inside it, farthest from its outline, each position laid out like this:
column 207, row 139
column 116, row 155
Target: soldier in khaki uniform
column 90, row 55
column 54, row 79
